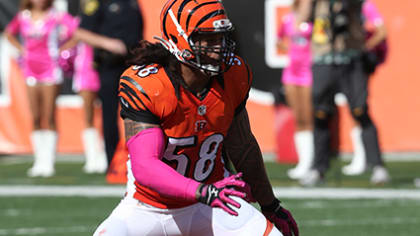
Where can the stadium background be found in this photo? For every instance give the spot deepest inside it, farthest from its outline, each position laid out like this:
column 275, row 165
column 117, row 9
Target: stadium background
column 394, row 88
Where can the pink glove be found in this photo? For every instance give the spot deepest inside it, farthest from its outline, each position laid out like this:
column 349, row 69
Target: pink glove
column 281, row 218
column 217, row 194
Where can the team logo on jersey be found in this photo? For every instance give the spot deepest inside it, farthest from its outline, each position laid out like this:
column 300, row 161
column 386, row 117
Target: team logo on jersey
column 202, row 110
column 200, row 125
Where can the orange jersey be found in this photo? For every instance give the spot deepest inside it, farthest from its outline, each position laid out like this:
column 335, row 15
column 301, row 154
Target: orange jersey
column 195, row 128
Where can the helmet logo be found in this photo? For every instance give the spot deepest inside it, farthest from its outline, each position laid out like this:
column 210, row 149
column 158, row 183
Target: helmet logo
column 223, row 23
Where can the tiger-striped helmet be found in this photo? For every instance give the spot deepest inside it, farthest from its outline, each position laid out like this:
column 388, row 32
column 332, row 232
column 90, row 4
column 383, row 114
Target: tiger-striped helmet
column 184, row 22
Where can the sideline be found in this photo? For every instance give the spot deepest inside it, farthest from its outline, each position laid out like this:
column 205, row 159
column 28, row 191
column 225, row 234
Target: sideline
column 281, row 192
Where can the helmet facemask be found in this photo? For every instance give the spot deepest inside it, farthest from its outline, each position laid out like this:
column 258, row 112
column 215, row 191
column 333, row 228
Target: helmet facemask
column 212, row 51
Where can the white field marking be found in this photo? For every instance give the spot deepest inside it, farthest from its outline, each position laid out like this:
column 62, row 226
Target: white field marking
column 376, row 203
column 347, row 156
column 14, row 161
column 346, row 193
column 61, row 158
column 61, row 191
column 281, row 192
column 45, row 230
column 13, row 212
column 389, row 156
column 354, row 222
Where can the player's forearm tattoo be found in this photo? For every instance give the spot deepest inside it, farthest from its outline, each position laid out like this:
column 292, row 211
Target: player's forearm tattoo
column 132, row 128
column 243, row 150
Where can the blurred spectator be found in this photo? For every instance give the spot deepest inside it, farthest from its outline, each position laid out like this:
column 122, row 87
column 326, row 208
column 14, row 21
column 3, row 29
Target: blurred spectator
column 295, row 37
column 374, row 55
column 338, row 45
column 112, row 27
column 42, row 29
column 79, row 57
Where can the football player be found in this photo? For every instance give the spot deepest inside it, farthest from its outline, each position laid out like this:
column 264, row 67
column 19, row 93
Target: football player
column 183, row 104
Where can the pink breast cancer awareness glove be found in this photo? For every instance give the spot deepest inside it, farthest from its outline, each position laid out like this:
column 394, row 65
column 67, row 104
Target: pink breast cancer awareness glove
column 218, row 194
column 282, row 218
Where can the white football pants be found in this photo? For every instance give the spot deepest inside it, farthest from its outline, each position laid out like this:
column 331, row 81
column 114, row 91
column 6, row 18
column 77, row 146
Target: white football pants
column 132, row 217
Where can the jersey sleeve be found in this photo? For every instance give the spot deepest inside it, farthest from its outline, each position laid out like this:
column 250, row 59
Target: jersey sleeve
column 143, row 95
column 238, row 82
column 14, row 26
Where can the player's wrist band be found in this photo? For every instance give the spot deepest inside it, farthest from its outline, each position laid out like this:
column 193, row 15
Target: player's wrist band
column 198, row 191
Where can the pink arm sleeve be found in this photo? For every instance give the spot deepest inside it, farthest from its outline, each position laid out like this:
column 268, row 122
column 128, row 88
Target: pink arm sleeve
column 13, row 26
column 146, row 150
column 371, row 13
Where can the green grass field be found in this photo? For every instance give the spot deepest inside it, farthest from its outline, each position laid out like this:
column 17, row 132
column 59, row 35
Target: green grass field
column 76, row 216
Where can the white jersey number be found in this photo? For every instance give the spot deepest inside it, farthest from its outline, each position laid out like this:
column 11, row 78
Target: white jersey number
column 207, row 155
column 145, row 71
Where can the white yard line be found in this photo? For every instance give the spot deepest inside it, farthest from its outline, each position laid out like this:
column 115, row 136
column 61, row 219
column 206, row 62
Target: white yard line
column 61, row 191
column 313, row 204
column 283, row 192
column 346, row 193
column 61, row 158
column 45, row 230
column 360, row 222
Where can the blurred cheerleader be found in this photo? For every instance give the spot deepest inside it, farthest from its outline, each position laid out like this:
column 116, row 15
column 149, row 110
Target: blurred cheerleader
column 294, row 36
column 41, row 29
